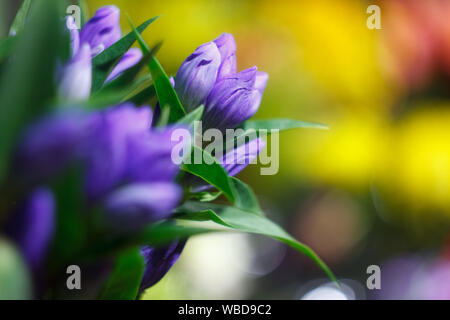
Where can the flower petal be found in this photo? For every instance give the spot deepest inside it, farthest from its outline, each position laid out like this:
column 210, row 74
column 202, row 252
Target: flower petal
column 197, row 75
column 129, row 59
column 76, row 79
column 102, row 30
column 227, row 48
column 239, row 158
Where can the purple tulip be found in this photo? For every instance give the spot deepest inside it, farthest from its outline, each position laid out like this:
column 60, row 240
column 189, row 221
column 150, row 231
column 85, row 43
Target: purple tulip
column 158, row 261
column 76, row 81
column 32, row 226
column 103, row 30
column 129, row 59
column 208, row 76
column 197, row 75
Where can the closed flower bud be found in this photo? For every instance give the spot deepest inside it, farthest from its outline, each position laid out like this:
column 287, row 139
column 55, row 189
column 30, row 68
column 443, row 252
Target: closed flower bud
column 102, row 30
column 76, row 81
column 197, row 75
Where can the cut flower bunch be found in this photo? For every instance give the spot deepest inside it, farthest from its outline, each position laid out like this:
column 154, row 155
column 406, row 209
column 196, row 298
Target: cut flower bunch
column 86, row 169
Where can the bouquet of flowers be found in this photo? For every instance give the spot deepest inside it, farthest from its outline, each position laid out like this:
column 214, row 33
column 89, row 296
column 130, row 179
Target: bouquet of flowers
column 94, row 180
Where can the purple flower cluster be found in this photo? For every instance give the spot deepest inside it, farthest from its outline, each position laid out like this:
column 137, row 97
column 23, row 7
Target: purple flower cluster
column 208, row 76
column 98, row 34
column 127, row 166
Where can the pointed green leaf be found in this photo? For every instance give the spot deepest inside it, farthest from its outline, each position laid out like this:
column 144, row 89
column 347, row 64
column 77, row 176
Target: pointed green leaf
column 6, row 47
column 70, row 229
column 27, row 83
column 281, row 124
column 126, row 277
column 245, row 198
column 84, row 11
column 15, row 280
column 212, row 173
column 205, row 196
column 245, row 221
column 105, row 62
column 164, row 89
column 21, row 17
column 144, row 96
column 194, row 115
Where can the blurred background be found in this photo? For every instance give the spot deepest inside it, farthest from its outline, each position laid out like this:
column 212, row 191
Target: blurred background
column 372, row 190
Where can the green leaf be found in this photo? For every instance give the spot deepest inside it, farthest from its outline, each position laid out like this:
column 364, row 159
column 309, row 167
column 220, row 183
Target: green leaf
column 70, row 231
column 245, row 198
column 126, row 277
column 15, row 281
column 245, row 221
column 157, row 234
column 164, row 117
column 252, row 129
column 167, row 231
column 143, row 96
column 194, row 115
column 21, row 17
column 281, row 124
column 84, row 12
column 105, row 62
column 6, row 47
column 128, row 76
column 205, row 196
column 27, row 83
column 107, row 98
column 164, row 89
column 212, row 173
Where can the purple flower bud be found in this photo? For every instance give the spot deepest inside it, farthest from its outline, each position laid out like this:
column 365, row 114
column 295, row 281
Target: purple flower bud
column 76, row 79
column 227, row 48
column 232, row 101
column 129, row 59
column 102, row 30
column 158, row 261
column 136, row 205
column 197, row 75
column 32, row 226
column 74, row 35
column 236, row 160
column 107, row 157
